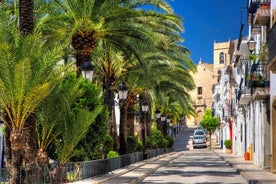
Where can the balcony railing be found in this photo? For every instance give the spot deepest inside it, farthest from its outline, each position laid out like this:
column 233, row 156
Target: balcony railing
column 259, row 12
column 258, row 76
column 199, row 103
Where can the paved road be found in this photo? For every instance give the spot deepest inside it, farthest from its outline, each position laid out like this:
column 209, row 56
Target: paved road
column 186, row 165
column 182, row 142
column 196, row 166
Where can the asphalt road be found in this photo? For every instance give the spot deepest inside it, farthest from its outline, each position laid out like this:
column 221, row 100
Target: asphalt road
column 196, row 167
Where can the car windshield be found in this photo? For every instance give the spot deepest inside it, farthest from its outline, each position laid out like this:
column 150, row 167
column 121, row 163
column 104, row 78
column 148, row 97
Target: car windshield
column 199, row 133
column 199, row 137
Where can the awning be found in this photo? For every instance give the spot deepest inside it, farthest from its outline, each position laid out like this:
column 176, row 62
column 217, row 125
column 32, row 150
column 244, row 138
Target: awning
column 261, row 93
column 262, row 16
column 245, row 99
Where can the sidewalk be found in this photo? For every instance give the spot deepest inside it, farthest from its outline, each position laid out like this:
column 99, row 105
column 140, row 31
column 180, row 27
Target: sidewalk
column 251, row 172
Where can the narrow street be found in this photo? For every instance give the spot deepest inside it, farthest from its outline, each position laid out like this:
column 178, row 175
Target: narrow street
column 185, row 165
column 196, row 166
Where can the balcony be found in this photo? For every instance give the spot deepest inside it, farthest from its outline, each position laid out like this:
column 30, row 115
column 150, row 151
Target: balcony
column 262, row 17
column 272, row 48
column 259, row 82
column 200, row 102
column 259, row 13
column 245, row 96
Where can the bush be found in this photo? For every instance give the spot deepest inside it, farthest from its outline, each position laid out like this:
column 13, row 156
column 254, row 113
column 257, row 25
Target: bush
column 108, row 143
column 228, row 143
column 170, row 141
column 112, row 154
column 165, row 143
column 157, row 138
column 132, row 144
column 140, row 146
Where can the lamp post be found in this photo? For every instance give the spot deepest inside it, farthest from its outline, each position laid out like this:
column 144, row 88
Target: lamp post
column 251, row 44
column 144, row 108
column 163, row 123
column 122, row 94
column 157, row 117
column 87, row 70
column 169, row 125
column 123, row 90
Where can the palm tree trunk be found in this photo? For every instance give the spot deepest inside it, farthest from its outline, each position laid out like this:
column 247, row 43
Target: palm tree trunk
column 30, row 151
column 13, row 157
column 130, row 120
column 149, row 124
column 26, row 16
column 16, row 169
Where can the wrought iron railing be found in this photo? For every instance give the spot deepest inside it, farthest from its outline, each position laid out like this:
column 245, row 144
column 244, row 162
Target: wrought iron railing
column 258, row 76
column 74, row 171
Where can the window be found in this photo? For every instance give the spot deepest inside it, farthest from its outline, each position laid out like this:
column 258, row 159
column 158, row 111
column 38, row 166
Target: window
column 199, row 90
column 221, row 58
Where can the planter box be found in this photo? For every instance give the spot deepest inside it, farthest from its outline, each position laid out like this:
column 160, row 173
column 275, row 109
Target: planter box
column 228, row 151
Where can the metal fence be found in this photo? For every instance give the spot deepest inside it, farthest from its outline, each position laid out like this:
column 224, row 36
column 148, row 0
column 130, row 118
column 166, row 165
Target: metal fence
column 74, row 171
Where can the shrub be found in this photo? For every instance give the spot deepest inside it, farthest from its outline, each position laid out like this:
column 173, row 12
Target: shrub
column 170, row 141
column 157, row 137
column 108, row 143
column 112, row 154
column 132, row 144
column 140, row 146
column 165, row 143
column 228, row 143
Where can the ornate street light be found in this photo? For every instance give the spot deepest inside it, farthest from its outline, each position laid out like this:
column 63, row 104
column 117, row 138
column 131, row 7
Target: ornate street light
column 163, row 124
column 123, row 92
column 145, row 108
column 157, row 114
column 157, row 117
column 169, row 124
column 251, row 44
column 87, row 70
column 163, row 117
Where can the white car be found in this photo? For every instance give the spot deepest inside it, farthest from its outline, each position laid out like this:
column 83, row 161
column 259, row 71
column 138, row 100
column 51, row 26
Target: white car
column 200, row 132
column 199, row 141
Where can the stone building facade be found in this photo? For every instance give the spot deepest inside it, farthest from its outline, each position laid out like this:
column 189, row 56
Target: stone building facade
column 206, row 77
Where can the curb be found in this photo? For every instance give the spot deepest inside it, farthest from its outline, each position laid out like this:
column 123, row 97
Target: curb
column 141, row 178
column 140, row 164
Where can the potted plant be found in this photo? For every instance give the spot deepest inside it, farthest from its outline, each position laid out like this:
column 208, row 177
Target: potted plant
column 228, row 145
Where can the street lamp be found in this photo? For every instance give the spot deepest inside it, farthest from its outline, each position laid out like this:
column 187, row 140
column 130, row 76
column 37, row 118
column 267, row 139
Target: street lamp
column 145, row 108
column 163, row 123
column 169, row 124
column 123, row 91
column 157, row 117
column 251, row 44
column 122, row 94
column 87, row 70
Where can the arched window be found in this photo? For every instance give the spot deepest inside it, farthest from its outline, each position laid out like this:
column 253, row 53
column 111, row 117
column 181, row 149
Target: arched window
column 221, row 58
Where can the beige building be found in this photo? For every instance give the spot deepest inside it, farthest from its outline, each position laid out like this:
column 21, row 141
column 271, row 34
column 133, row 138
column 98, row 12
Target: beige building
column 206, row 77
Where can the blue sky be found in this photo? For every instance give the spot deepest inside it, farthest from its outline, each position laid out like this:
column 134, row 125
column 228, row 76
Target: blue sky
column 208, row 20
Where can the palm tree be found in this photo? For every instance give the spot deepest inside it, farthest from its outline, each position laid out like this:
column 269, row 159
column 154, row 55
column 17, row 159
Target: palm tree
column 28, row 74
column 98, row 23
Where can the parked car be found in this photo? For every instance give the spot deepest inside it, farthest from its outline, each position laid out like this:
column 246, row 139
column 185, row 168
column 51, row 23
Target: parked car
column 200, row 132
column 199, row 141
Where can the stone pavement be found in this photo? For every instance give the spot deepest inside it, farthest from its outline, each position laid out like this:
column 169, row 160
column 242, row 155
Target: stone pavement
column 252, row 173
column 135, row 173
